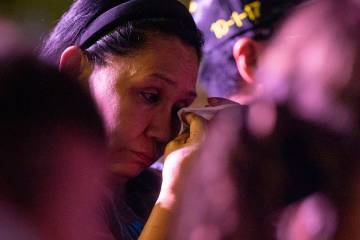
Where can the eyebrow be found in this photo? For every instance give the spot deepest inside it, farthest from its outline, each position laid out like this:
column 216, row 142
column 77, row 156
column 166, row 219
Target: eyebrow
column 173, row 83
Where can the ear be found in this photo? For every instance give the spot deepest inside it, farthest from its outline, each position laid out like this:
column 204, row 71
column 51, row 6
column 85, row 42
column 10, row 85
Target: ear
column 74, row 61
column 246, row 52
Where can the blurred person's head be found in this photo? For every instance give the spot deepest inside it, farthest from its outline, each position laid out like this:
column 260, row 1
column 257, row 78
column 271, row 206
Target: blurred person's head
column 139, row 60
column 235, row 33
column 52, row 156
column 316, row 76
column 11, row 37
column 312, row 64
column 242, row 181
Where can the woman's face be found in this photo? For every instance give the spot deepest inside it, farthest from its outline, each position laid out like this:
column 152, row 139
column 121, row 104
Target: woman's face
column 138, row 97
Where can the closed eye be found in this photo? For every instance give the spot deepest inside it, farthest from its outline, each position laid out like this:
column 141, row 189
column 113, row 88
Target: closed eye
column 179, row 106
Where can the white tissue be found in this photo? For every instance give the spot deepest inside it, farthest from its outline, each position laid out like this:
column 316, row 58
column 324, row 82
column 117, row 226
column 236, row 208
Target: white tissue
column 205, row 112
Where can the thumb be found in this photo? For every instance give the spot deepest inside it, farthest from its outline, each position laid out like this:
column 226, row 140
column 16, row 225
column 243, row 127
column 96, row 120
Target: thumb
column 175, row 144
column 198, row 127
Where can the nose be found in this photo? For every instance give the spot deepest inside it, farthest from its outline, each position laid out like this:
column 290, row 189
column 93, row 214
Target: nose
column 160, row 127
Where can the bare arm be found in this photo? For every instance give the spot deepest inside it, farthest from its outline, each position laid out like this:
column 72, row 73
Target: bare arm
column 178, row 158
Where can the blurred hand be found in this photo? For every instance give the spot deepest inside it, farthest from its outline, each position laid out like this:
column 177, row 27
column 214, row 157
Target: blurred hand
column 193, row 136
column 179, row 155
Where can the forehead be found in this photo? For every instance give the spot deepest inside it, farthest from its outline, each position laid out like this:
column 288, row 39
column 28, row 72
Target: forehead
column 162, row 55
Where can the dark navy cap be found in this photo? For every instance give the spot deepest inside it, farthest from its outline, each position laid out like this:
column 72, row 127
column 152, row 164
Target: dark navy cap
column 220, row 20
column 131, row 10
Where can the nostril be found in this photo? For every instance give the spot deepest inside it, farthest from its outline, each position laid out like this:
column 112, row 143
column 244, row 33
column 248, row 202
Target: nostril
column 162, row 135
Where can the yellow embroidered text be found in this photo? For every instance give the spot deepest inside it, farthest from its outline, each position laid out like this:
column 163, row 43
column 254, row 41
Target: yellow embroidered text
column 221, row 26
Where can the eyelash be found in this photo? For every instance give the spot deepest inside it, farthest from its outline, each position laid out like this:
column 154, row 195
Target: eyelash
column 176, row 108
column 155, row 97
column 150, row 97
column 180, row 106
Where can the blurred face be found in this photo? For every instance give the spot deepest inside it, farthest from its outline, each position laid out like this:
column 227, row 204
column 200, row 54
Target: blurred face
column 138, row 97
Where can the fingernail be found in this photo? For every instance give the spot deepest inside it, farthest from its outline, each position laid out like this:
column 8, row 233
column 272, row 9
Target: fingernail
column 188, row 117
column 213, row 100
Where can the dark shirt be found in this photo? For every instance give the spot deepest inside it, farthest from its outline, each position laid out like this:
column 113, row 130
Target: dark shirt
column 129, row 208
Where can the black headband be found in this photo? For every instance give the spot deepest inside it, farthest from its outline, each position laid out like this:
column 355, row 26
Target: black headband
column 133, row 10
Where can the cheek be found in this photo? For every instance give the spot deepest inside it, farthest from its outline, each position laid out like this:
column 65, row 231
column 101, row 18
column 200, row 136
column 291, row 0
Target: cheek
column 132, row 121
column 107, row 101
column 108, row 109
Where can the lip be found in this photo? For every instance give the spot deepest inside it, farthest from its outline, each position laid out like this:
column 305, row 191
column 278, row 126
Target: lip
column 147, row 159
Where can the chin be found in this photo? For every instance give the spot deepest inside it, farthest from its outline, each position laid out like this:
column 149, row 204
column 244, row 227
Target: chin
column 126, row 171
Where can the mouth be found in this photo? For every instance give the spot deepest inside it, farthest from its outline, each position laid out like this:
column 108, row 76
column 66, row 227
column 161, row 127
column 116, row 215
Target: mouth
column 145, row 159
